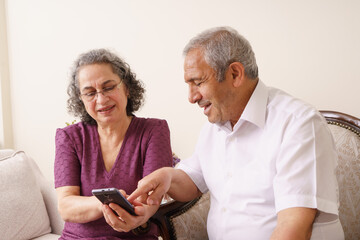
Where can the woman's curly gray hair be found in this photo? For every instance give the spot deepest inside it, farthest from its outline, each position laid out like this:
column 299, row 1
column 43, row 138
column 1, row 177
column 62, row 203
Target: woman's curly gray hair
column 102, row 56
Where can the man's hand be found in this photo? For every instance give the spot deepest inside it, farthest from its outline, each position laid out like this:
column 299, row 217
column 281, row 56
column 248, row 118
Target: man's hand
column 294, row 223
column 154, row 186
column 175, row 182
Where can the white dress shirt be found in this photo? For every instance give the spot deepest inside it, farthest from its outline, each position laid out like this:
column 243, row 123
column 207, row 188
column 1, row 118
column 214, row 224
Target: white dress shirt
column 280, row 154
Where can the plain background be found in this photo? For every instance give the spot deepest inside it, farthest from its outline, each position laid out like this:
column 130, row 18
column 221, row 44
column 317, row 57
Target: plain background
column 308, row 48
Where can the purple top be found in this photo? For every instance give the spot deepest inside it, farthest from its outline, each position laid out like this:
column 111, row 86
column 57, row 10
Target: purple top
column 78, row 162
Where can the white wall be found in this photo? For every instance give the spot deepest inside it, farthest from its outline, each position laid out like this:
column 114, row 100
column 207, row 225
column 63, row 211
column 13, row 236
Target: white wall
column 6, row 134
column 309, row 48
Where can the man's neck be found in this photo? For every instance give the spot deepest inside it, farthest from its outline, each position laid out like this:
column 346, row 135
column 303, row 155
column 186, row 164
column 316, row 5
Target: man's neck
column 242, row 98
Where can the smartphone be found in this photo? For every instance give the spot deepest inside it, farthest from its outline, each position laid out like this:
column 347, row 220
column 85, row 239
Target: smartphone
column 113, row 195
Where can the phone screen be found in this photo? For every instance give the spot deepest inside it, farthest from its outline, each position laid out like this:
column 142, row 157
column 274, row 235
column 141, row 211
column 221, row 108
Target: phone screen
column 113, row 195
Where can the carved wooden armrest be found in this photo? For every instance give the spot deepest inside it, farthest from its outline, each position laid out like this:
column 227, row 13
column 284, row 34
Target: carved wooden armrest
column 183, row 220
column 164, row 216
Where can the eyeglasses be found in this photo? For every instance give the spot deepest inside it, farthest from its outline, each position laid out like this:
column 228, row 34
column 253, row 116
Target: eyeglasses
column 107, row 91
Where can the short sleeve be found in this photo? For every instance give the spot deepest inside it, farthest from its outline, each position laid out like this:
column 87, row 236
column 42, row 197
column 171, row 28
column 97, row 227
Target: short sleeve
column 189, row 167
column 158, row 151
column 192, row 165
column 67, row 165
column 305, row 167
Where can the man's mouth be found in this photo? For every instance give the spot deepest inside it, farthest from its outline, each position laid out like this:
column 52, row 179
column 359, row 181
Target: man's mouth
column 207, row 109
column 206, row 105
column 105, row 109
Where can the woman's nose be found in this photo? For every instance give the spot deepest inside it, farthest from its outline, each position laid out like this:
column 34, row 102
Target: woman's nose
column 101, row 97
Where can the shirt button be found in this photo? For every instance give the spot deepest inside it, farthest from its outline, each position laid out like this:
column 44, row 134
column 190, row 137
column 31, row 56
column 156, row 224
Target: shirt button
column 223, row 210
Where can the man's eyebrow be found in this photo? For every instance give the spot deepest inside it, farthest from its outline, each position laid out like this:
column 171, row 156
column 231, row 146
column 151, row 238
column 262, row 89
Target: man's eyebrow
column 192, row 79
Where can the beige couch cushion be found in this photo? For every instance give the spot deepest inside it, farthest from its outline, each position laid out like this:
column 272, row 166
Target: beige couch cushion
column 23, row 213
column 192, row 223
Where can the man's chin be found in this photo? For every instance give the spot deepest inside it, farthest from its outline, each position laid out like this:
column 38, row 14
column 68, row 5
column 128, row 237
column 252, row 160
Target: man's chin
column 213, row 120
column 216, row 121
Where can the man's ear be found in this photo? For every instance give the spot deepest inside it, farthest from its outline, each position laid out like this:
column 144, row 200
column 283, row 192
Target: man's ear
column 237, row 72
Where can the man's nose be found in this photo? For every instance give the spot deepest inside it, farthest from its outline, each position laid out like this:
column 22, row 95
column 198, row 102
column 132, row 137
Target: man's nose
column 194, row 95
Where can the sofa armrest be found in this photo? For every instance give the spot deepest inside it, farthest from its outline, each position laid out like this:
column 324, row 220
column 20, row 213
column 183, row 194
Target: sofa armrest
column 183, row 220
column 50, row 199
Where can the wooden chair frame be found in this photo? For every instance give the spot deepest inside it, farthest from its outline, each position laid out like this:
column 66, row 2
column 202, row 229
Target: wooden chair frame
column 167, row 211
column 342, row 120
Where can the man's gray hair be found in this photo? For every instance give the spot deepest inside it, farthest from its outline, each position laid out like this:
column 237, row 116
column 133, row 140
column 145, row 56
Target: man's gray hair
column 222, row 46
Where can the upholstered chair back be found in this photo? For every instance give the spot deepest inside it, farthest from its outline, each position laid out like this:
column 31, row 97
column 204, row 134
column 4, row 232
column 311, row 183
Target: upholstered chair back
column 346, row 132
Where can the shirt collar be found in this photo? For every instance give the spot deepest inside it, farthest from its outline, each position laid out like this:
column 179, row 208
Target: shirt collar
column 255, row 109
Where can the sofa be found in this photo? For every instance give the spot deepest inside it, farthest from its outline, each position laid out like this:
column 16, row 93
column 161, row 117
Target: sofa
column 28, row 201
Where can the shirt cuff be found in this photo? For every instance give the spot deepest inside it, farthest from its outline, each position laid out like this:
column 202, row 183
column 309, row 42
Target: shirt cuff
column 195, row 176
column 306, row 201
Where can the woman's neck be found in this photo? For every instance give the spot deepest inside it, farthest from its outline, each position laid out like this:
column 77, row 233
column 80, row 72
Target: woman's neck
column 114, row 132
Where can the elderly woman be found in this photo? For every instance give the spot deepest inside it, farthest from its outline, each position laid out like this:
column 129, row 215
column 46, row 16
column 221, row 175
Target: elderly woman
column 110, row 147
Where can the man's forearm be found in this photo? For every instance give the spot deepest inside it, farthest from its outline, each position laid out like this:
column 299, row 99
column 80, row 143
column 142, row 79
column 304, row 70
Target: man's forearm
column 294, row 223
column 182, row 187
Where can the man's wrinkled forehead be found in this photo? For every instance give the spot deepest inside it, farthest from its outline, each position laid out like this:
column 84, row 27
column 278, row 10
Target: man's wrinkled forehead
column 193, row 64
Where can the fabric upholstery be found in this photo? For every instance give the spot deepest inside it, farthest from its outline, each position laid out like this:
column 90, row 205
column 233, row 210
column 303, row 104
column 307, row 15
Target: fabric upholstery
column 23, row 212
column 5, row 153
column 348, row 176
column 50, row 199
column 49, row 236
column 192, row 224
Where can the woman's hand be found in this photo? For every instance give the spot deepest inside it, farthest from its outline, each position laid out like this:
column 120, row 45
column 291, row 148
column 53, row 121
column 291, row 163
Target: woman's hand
column 126, row 222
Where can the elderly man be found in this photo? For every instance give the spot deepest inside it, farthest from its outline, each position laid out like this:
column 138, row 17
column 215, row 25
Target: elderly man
column 266, row 157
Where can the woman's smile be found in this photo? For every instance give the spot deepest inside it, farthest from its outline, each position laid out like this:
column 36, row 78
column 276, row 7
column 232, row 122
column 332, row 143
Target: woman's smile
column 106, row 109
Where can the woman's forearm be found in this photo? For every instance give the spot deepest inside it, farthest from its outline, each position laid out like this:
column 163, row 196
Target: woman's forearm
column 75, row 208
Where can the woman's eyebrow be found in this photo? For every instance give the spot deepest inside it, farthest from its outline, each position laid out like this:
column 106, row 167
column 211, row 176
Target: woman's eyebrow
column 87, row 88
column 102, row 84
column 107, row 81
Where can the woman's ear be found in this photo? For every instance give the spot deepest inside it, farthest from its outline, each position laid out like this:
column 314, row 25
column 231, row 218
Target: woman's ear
column 237, row 72
column 127, row 92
